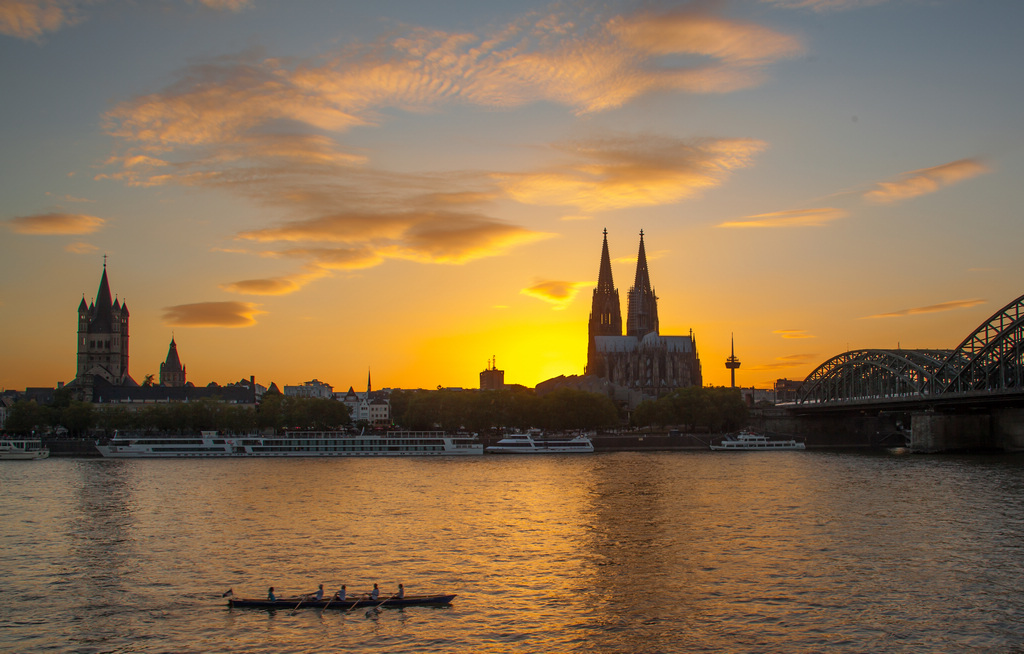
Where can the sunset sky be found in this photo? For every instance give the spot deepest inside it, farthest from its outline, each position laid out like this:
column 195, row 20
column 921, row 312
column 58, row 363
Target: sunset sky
column 310, row 189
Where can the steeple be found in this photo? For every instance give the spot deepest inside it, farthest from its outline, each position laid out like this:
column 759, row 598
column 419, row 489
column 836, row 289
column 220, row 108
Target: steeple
column 605, row 314
column 604, row 275
column 102, row 318
column 642, row 312
column 172, row 373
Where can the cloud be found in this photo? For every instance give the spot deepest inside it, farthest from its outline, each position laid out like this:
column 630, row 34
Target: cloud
column 824, row 5
column 273, row 130
column 212, row 314
column 80, row 248
column 697, row 33
column 783, row 363
column 55, row 224
column 796, row 218
column 631, row 171
column 793, row 333
column 934, row 308
column 30, row 19
column 275, row 285
column 229, row 5
column 557, row 292
column 427, row 236
column 250, row 106
column 925, row 181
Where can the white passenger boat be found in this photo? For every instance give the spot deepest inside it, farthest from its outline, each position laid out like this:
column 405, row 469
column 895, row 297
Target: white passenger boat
column 22, row 450
column 751, row 441
column 534, row 442
column 298, row 443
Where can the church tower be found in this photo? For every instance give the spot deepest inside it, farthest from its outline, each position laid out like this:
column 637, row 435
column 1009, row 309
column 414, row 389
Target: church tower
column 102, row 339
column 605, row 316
column 642, row 313
column 172, row 373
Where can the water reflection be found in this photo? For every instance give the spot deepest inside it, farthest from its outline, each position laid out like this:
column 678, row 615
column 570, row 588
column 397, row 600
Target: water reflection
column 626, row 552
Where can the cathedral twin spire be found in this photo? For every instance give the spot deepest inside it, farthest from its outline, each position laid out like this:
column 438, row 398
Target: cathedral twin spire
column 642, row 314
column 605, row 315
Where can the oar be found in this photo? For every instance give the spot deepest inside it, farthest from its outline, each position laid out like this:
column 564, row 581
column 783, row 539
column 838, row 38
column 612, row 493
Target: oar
column 376, row 609
column 355, row 602
column 302, row 599
column 331, row 599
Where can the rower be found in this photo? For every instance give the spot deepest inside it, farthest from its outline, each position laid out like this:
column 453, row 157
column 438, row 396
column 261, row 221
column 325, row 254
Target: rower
column 401, row 592
column 319, row 593
column 270, row 595
column 341, row 594
column 375, row 593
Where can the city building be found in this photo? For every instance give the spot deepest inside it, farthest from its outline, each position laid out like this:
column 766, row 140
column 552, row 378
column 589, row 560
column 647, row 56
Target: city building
column 492, row 379
column 314, row 388
column 642, row 360
column 373, row 409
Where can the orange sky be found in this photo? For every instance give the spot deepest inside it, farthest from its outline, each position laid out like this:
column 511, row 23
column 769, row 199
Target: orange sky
column 310, row 190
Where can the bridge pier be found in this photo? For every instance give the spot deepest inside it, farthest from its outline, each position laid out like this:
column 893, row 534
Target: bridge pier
column 1008, row 429
column 949, row 432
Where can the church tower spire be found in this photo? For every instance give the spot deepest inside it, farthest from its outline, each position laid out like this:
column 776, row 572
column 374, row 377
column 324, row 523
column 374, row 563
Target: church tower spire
column 642, row 312
column 102, row 340
column 605, row 314
column 172, row 373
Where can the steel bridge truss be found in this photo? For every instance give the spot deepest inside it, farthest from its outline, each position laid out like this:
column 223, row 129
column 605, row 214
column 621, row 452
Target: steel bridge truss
column 989, row 360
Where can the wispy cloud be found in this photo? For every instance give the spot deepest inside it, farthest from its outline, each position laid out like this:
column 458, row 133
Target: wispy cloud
column 55, row 224
column 370, row 238
column 796, row 218
column 275, row 285
column 80, row 248
column 934, row 308
column 631, row 171
column 793, row 333
column 824, row 5
column 786, row 362
column 30, row 19
column 212, row 314
column 273, row 130
column 557, row 292
column 925, row 181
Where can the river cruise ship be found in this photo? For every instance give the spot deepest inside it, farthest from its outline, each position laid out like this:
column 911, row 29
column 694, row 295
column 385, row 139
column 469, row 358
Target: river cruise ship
column 297, row 443
column 22, row 450
column 534, row 442
column 748, row 441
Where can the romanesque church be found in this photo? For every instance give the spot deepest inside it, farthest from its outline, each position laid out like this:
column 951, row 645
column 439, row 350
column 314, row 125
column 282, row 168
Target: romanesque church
column 641, row 360
column 102, row 341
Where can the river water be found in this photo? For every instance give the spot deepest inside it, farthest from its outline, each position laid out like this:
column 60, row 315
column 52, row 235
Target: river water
column 610, row 552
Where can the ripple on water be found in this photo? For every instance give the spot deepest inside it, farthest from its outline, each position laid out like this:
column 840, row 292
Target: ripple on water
column 626, row 552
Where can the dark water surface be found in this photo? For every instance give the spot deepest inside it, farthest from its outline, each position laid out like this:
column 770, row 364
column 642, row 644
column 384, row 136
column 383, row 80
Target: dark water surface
column 616, row 552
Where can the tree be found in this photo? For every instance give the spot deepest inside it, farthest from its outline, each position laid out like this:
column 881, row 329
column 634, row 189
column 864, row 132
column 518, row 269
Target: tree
column 148, row 382
column 26, row 417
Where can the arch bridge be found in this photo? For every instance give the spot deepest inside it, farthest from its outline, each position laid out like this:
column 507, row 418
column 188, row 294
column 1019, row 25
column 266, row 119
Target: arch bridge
column 988, row 363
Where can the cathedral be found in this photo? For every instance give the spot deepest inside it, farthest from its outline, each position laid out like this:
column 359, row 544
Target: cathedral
column 643, row 360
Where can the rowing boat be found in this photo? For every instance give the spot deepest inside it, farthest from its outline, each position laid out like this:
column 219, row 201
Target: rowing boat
column 345, row 604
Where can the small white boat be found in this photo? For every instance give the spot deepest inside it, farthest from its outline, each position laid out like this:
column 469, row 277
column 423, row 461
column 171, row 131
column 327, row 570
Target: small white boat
column 747, row 441
column 22, row 450
column 534, row 442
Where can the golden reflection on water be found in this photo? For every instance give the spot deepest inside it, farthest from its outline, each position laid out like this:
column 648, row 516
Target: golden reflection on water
column 630, row 552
